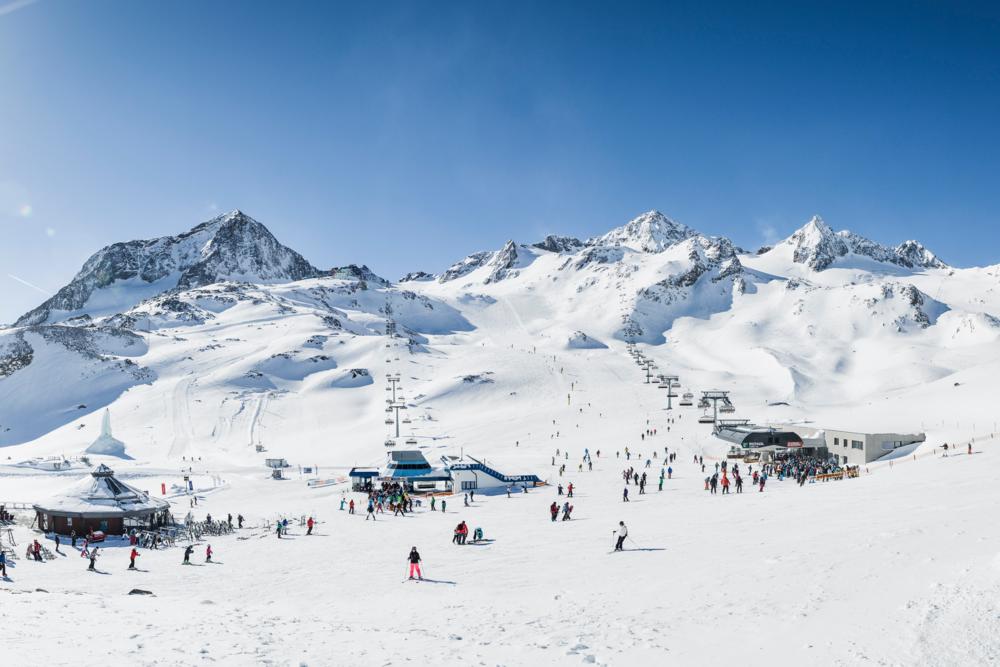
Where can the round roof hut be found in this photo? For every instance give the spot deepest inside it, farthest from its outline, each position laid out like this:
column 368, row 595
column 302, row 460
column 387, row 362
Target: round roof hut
column 102, row 502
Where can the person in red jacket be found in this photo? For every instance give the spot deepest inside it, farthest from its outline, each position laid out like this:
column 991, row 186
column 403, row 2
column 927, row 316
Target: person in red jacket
column 131, row 558
column 208, row 554
column 309, row 526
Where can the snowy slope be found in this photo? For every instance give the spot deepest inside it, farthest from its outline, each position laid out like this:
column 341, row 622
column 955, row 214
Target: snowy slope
column 509, row 355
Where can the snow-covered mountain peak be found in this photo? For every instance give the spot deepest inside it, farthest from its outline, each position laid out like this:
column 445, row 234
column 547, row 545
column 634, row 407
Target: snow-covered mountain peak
column 817, row 246
column 232, row 246
column 650, row 232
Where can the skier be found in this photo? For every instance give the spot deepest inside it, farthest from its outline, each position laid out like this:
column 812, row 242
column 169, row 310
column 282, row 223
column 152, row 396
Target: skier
column 554, row 510
column 444, row 504
column 56, row 536
column 36, row 550
column 622, row 533
column 670, row 473
column 72, row 537
column 725, row 483
column 371, row 510
column 3, row 564
column 739, row 484
column 239, row 520
column 188, row 550
column 432, row 503
column 229, row 520
column 278, row 530
column 414, row 559
column 625, row 495
column 93, row 559
column 762, row 480
column 131, row 558
column 569, row 490
column 309, row 526
column 350, row 509
column 208, row 554
column 559, row 490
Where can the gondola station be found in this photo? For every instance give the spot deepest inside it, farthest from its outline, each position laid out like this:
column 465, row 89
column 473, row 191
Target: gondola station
column 101, row 502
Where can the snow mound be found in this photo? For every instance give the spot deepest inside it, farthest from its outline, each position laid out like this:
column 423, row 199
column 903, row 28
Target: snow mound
column 352, row 378
column 581, row 341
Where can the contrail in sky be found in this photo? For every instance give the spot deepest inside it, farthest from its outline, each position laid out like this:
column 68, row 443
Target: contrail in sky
column 25, row 282
column 15, row 5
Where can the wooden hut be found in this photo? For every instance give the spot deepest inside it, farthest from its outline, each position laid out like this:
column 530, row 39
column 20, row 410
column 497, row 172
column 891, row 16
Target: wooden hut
column 102, row 502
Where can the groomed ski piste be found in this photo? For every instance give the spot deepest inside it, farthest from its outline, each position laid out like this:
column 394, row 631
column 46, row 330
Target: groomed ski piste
column 900, row 566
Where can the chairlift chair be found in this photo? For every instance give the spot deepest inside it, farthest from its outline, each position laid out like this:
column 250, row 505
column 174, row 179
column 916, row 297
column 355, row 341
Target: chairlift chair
column 411, row 442
column 390, row 443
column 407, row 420
column 706, row 419
column 389, row 422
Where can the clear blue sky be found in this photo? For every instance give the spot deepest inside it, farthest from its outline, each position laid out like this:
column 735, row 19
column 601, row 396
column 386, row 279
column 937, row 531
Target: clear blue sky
column 406, row 135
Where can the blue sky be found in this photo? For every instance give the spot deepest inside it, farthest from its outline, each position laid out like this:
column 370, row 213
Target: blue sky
column 406, row 135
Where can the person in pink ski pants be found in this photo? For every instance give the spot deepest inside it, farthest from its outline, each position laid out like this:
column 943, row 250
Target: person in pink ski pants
column 414, row 559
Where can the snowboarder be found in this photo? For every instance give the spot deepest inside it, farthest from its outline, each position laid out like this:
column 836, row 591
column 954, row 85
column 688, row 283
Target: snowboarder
column 131, row 558
column 477, row 535
column 622, row 533
column 414, row 559
column 554, row 510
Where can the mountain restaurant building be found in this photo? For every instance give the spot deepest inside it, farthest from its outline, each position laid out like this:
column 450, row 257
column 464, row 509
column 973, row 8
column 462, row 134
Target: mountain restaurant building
column 101, row 502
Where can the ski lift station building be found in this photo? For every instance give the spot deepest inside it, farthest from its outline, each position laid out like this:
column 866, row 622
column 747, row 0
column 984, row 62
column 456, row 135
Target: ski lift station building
column 411, row 468
column 847, row 447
